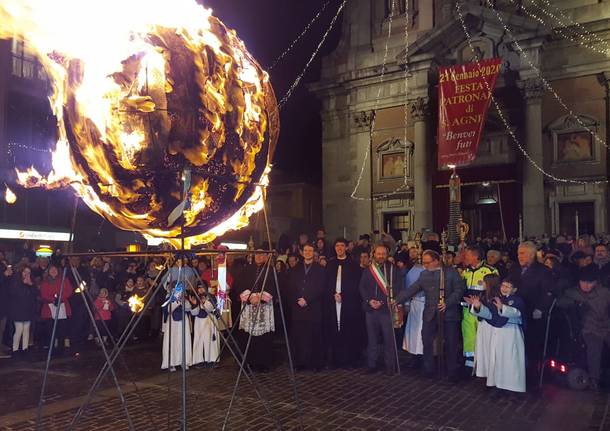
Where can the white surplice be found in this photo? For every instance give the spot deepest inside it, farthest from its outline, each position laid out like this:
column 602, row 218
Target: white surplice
column 175, row 327
column 206, row 342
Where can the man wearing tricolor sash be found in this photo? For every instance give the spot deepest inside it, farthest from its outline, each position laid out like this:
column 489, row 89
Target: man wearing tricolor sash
column 380, row 282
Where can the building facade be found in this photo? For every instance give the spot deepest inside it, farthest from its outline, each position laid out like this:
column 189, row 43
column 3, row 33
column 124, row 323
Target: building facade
column 380, row 123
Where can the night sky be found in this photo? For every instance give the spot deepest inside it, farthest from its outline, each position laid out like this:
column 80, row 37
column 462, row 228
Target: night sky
column 268, row 27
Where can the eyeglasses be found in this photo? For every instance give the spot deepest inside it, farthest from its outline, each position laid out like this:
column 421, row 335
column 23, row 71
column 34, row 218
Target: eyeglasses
column 426, row 262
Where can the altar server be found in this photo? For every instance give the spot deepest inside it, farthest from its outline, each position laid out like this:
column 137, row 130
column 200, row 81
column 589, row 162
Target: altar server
column 172, row 330
column 206, row 340
column 506, row 349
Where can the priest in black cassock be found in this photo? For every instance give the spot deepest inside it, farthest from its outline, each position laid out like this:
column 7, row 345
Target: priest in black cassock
column 257, row 321
column 343, row 314
column 305, row 294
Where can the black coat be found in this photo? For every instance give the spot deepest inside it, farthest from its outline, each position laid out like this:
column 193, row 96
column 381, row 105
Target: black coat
column 535, row 287
column 351, row 301
column 429, row 282
column 21, row 301
column 309, row 286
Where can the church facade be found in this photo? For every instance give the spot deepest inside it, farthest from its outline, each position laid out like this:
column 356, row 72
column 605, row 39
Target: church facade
column 543, row 156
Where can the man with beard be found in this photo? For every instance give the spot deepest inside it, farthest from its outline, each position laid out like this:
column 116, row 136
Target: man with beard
column 343, row 313
column 255, row 287
column 305, row 299
column 377, row 281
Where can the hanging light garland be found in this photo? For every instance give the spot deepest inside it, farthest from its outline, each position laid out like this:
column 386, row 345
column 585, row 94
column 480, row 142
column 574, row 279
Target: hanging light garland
column 506, row 124
column 300, row 36
column 544, row 82
column 381, row 79
column 297, row 81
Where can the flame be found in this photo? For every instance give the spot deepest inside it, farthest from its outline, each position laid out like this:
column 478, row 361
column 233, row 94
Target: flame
column 141, row 90
column 81, row 287
column 136, row 304
column 9, row 196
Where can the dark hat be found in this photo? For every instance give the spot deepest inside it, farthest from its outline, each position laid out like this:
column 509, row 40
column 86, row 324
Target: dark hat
column 365, row 236
column 588, row 273
column 578, row 255
column 553, row 252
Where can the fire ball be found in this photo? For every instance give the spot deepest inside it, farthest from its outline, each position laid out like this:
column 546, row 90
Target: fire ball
column 161, row 112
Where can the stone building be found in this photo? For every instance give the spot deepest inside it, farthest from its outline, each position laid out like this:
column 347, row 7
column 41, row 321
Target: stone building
column 379, row 125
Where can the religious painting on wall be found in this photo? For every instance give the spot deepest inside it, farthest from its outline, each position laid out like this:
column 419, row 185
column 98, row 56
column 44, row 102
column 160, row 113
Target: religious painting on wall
column 392, row 165
column 574, row 146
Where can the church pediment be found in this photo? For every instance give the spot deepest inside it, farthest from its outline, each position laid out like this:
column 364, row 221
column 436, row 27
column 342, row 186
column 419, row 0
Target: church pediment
column 448, row 43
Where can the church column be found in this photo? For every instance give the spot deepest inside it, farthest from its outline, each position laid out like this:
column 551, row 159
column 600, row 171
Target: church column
column 534, row 201
column 361, row 213
column 5, row 64
column 422, row 182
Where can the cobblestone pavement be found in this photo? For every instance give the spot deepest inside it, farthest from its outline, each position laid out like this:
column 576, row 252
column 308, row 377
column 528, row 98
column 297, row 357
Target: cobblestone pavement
column 329, row 400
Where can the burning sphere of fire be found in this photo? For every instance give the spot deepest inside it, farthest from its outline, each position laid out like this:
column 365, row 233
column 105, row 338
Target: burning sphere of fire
column 160, row 111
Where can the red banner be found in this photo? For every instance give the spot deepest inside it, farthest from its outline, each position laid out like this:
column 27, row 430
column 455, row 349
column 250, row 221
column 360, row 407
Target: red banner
column 464, row 94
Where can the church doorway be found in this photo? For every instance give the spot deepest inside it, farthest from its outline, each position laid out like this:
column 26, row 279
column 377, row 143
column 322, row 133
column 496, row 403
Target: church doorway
column 397, row 224
column 586, row 218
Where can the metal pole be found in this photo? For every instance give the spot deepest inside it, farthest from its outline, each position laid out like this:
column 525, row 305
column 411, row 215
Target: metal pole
column 99, row 337
column 114, row 343
column 50, row 353
column 285, row 330
column 184, row 301
column 245, row 352
column 115, row 353
column 245, row 367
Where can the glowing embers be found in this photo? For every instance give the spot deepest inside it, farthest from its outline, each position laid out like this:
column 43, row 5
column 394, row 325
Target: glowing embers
column 136, row 304
column 168, row 88
column 9, row 196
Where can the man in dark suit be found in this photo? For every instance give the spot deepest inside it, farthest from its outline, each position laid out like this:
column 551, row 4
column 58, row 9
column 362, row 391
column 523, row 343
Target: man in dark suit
column 440, row 303
column 536, row 282
column 305, row 301
column 377, row 280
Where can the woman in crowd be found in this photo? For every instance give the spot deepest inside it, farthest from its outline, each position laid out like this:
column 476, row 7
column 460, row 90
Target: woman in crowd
column 141, row 290
column 22, row 295
column 123, row 312
column 53, row 297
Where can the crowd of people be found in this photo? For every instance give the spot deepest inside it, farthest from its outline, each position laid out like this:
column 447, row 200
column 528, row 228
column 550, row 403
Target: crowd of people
column 480, row 310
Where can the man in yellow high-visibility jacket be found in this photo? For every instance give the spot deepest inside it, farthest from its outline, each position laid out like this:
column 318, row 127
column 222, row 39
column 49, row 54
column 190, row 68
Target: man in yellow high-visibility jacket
column 473, row 275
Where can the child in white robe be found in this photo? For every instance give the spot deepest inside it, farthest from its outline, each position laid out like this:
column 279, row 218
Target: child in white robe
column 206, row 342
column 484, row 330
column 172, row 334
column 506, row 348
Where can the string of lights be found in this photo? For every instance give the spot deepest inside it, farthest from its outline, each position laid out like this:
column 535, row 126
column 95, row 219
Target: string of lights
column 571, row 23
column 297, row 81
column 13, row 145
column 376, row 106
column 300, row 36
column 562, row 29
column 405, row 183
column 507, row 125
column 546, row 83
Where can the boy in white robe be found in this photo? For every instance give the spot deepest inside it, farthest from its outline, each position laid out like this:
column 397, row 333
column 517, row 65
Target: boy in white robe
column 206, row 342
column 506, row 350
column 172, row 334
